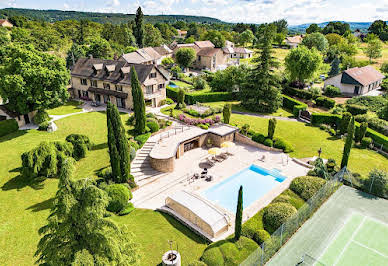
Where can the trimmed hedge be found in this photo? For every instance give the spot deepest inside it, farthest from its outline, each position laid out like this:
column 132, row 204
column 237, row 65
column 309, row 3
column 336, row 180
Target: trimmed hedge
column 277, row 214
column 141, row 139
column 8, row 126
column 293, row 105
column 40, row 117
column 332, row 91
column 325, row 102
column 127, row 209
column 306, row 186
column 303, row 94
column 119, row 196
column 325, row 118
column 355, row 109
column 154, row 126
column 202, row 97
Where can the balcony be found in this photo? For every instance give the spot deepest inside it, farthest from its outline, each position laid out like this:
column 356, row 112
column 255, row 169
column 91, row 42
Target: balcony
column 152, row 95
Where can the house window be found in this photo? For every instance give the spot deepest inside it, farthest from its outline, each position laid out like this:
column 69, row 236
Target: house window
column 106, row 99
column 153, row 75
column 119, row 88
column 161, row 86
column 199, row 58
column 84, row 82
column 106, row 86
column 120, row 102
column 85, row 94
column 93, row 83
column 149, row 89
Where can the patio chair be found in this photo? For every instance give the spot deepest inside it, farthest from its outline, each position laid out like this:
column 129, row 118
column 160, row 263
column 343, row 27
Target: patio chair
column 223, row 155
column 217, row 159
column 196, row 176
column 209, row 162
column 262, row 158
column 209, row 178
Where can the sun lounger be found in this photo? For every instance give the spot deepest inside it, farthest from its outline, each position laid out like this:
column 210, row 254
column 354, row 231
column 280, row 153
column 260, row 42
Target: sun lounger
column 209, row 162
column 209, row 178
column 218, row 159
column 223, row 156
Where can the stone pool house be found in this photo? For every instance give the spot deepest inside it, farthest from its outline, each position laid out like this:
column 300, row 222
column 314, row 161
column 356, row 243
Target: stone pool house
column 356, row 81
column 103, row 81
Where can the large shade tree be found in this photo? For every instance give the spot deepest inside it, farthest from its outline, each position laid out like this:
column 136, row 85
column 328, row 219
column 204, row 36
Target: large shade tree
column 32, row 80
column 185, row 57
column 77, row 233
column 260, row 92
column 302, row 63
column 316, row 40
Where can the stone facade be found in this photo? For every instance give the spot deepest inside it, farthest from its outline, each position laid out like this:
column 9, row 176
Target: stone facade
column 163, row 165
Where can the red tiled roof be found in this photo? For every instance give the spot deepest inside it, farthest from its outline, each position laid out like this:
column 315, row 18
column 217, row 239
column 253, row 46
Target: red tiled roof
column 365, row 75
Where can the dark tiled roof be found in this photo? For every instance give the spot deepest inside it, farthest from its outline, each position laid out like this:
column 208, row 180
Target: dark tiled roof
column 84, row 68
column 364, row 75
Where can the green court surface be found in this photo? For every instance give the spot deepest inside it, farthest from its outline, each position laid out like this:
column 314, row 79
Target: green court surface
column 361, row 241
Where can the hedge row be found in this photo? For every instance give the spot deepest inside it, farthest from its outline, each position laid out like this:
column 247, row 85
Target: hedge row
column 293, row 105
column 303, row 94
column 192, row 98
column 325, row 102
column 8, row 126
column 334, row 120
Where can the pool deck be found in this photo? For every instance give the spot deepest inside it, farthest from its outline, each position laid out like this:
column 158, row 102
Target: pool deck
column 153, row 194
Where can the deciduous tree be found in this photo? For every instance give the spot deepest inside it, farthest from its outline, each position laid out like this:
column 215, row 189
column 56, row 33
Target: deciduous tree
column 374, row 49
column 316, row 40
column 185, row 57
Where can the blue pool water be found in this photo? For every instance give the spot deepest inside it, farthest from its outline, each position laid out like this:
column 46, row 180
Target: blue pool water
column 256, row 182
column 173, row 85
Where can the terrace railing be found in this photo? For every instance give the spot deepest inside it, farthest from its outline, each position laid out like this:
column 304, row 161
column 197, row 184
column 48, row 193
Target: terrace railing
column 264, row 253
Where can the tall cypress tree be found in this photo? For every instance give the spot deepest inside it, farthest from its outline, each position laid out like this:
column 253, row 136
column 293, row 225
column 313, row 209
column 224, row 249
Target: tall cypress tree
column 138, row 31
column 138, row 103
column 348, row 144
column 261, row 91
column 227, row 111
column 239, row 214
column 118, row 147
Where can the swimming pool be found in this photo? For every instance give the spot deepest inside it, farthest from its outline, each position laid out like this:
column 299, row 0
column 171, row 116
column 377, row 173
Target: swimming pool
column 173, row 85
column 256, row 182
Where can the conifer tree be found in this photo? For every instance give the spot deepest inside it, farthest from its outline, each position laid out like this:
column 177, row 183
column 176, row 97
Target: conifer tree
column 239, row 214
column 138, row 31
column 138, row 103
column 271, row 127
column 227, row 113
column 77, row 231
column 348, row 144
column 334, row 70
column 261, row 91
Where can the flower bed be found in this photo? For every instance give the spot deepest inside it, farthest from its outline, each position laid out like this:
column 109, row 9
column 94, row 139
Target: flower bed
column 203, row 123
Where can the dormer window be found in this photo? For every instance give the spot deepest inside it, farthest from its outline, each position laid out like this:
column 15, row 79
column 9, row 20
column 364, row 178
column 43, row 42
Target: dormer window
column 96, row 68
column 110, row 68
column 124, row 70
column 153, row 75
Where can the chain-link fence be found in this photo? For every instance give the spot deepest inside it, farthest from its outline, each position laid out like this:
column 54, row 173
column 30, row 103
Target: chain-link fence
column 308, row 260
column 286, row 230
column 374, row 184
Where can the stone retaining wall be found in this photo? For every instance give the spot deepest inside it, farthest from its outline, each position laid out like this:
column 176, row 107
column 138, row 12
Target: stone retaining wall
column 246, row 140
column 163, row 165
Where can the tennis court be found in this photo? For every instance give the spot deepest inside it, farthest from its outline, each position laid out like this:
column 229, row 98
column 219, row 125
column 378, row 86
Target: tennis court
column 351, row 228
column 362, row 241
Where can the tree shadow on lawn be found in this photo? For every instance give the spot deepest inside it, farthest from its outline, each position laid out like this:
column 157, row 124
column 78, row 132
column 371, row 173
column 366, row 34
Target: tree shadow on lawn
column 184, row 229
column 19, row 182
column 41, row 206
column 100, row 146
column 368, row 196
column 13, row 135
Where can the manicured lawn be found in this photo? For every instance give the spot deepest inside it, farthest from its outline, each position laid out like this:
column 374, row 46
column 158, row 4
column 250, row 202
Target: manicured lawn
column 67, row 108
column 25, row 207
column 360, row 56
column 307, row 140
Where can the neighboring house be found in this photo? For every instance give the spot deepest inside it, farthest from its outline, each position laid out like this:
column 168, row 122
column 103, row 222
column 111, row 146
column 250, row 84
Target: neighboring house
column 148, row 55
column 294, row 41
column 211, row 58
column 357, row 33
column 5, row 23
column 181, row 34
column 356, row 81
column 20, row 118
column 105, row 81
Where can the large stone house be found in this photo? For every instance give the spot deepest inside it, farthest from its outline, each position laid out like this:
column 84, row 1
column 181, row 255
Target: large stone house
column 5, row 23
column 148, row 55
column 356, row 81
column 105, row 81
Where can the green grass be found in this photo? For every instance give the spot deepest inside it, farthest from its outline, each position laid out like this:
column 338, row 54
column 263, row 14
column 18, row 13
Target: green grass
column 25, row 207
column 182, row 84
column 307, row 140
column 67, row 108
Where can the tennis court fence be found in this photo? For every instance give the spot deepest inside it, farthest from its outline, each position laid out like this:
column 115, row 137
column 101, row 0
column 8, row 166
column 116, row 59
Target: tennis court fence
column 264, row 253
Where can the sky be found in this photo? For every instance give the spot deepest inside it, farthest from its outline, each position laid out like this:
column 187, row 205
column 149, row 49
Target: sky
column 248, row 11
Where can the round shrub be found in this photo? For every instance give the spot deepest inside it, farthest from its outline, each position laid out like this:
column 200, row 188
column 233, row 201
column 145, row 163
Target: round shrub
column 261, row 236
column 280, row 143
column 119, row 197
column 277, row 214
column 212, row 256
column 366, row 142
column 127, row 209
column 81, row 145
column 106, row 173
column 151, row 119
column 40, row 117
column 306, row 186
column 8, row 126
column 268, row 142
column 332, row 91
column 259, row 138
column 154, row 127
column 43, row 126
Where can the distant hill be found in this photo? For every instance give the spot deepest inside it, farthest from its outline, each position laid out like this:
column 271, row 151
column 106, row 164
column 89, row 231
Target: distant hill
column 362, row 26
column 114, row 18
